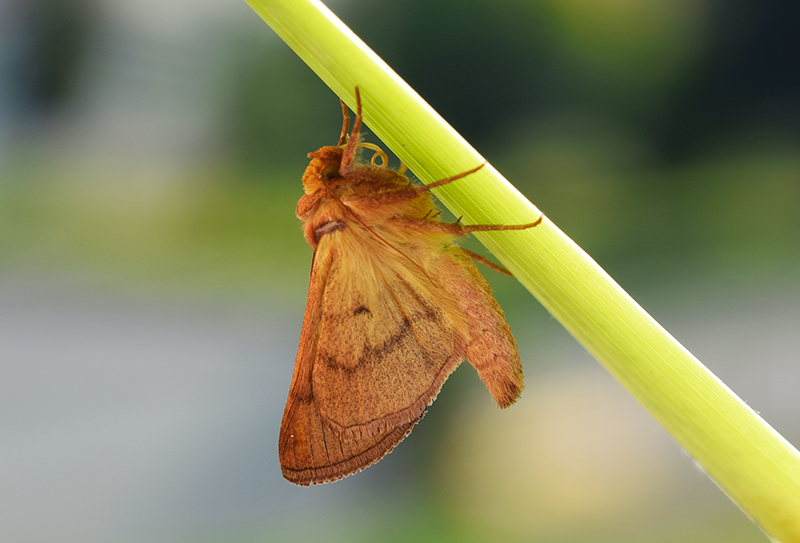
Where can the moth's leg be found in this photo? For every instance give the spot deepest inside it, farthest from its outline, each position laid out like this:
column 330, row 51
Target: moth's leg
column 494, row 227
column 459, row 229
column 486, row 262
column 449, row 179
column 412, row 192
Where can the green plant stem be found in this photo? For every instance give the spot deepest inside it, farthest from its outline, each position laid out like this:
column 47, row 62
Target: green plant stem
column 749, row 460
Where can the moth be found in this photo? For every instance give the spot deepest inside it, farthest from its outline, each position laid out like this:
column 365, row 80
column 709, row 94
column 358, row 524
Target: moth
column 394, row 306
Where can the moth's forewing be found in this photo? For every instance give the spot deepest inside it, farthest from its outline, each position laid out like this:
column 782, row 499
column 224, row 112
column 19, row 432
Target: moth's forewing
column 310, row 450
column 388, row 338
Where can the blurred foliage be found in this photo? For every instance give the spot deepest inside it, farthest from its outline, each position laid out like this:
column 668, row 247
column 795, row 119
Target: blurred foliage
column 51, row 41
column 283, row 112
column 210, row 232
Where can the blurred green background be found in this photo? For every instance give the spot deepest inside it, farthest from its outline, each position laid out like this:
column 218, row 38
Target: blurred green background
column 153, row 274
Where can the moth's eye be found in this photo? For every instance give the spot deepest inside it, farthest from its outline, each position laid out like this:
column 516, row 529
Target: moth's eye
column 331, row 170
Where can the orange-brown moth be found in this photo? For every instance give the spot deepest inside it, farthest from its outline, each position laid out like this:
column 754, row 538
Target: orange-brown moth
column 393, row 308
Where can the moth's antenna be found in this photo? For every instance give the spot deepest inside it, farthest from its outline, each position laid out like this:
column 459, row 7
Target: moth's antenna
column 352, row 144
column 345, row 124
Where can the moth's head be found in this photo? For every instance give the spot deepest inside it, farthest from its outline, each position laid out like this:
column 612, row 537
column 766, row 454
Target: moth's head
column 323, row 170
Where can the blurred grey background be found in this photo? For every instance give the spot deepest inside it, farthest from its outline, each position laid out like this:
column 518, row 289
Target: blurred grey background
column 153, row 274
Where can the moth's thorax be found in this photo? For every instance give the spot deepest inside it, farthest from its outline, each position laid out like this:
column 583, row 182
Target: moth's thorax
column 323, row 172
column 333, row 200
